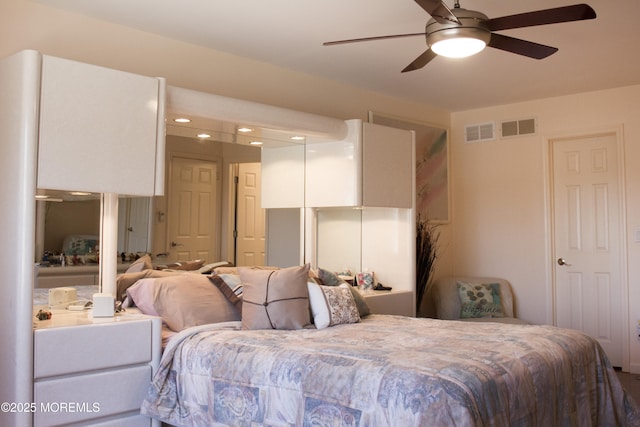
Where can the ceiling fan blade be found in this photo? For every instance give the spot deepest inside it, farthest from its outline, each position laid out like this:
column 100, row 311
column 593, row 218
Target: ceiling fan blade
column 521, row 47
column 366, row 39
column 577, row 12
column 438, row 11
column 420, row 61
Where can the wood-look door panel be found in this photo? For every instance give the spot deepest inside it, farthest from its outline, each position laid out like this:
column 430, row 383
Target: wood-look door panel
column 193, row 210
column 251, row 217
column 588, row 289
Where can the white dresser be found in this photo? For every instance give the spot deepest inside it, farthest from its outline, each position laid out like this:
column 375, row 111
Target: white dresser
column 94, row 370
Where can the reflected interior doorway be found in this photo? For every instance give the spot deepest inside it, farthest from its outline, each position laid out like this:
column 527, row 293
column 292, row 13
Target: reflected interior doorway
column 247, row 217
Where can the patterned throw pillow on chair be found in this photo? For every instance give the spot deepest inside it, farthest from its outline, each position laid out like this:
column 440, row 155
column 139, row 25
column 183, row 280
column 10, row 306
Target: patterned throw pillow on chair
column 479, row 300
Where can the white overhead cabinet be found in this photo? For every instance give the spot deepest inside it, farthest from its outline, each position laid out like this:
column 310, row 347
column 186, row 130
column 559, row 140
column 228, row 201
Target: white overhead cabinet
column 360, row 190
column 371, row 167
column 100, row 130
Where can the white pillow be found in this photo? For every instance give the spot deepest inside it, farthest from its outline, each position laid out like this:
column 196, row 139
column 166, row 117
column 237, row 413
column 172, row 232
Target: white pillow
column 332, row 305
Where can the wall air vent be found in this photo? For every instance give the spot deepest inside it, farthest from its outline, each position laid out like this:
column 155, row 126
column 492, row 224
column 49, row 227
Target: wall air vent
column 479, row 132
column 518, row 127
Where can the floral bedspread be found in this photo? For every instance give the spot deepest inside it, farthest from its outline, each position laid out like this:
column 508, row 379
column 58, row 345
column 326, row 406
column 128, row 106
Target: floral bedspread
column 388, row 371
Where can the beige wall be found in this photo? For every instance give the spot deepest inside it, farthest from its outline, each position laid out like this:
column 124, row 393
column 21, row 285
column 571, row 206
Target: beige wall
column 499, row 199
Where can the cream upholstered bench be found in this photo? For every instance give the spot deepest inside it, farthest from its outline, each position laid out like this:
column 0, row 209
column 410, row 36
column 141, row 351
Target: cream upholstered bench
column 479, row 299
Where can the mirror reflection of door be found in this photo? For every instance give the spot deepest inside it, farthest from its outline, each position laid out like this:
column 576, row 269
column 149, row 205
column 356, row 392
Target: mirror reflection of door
column 249, row 218
column 134, row 212
column 193, row 210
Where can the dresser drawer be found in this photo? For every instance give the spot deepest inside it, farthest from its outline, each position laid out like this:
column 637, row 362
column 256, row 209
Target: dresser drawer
column 94, row 395
column 127, row 421
column 74, row 349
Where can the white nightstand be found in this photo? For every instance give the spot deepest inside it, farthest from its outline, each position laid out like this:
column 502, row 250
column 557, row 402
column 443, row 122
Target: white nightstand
column 390, row 302
column 94, row 370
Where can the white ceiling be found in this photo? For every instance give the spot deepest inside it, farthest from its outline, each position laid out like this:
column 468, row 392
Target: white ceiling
column 593, row 55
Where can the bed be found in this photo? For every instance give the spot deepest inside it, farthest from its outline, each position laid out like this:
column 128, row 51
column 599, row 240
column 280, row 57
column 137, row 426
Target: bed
column 269, row 366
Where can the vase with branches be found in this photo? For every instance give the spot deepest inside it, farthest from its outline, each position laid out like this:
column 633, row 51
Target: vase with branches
column 427, row 236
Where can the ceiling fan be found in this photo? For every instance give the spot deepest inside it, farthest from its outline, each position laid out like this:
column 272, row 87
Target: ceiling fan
column 460, row 32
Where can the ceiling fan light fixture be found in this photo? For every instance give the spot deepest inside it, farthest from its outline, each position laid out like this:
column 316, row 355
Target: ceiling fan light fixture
column 458, row 42
column 459, row 47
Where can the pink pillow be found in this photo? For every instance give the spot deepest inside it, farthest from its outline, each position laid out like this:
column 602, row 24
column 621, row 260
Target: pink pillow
column 141, row 293
column 183, row 300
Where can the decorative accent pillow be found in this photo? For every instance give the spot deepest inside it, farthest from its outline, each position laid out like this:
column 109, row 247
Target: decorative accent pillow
column 195, row 264
column 141, row 264
column 227, row 291
column 233, row 281
column 230, row 269
column 328, row 278
column 125, row 280
column 479, row 300
column 183, row 300
column 332, row 305
column 275, row 299
column 209, row 268
column 141, row 295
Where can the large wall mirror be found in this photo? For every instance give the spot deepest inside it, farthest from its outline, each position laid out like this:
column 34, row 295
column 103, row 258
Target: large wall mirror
column 69, row 222
column 211, row 210
column 214, row 191
column 222, row 154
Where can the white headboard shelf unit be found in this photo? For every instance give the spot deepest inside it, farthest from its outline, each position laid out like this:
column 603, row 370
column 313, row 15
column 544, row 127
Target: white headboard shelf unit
column 360, row 193
column 99, row 163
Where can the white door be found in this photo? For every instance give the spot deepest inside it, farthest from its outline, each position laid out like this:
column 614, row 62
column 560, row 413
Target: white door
column 193, row 210
column 250, row 223
column 137, row 225
column 587, row 262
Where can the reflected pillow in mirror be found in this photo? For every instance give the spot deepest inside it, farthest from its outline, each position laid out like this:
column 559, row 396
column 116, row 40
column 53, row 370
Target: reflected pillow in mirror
column 141, row 264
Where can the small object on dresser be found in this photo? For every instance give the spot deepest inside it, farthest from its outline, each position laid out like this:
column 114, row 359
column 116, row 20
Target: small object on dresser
column 61, row 298
column 103, row 305
column 381, row 287
column 365, row 281
column 43, row 315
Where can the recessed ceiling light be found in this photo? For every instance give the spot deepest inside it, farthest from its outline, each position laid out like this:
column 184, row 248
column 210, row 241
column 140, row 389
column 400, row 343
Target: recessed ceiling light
column 204, row 135
column 244, row 130
column 297, row 138
column 182, row 120
column 41, row 196
column 79, row 193
column 256, row 143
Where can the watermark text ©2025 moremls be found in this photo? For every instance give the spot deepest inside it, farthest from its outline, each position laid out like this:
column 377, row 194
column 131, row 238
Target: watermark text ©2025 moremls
column 50, row 407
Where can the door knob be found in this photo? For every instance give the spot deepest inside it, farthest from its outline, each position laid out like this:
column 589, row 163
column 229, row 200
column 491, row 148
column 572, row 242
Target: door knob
column 561, row 261
column 174, row 244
